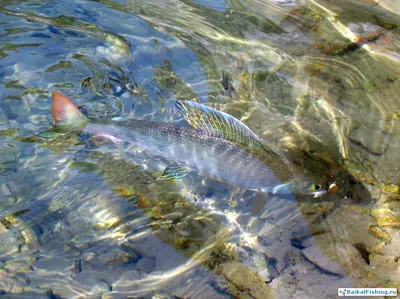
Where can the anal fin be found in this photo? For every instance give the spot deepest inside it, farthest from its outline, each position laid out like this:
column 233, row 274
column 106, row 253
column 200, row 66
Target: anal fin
column 174, row 172
column 99, row 139
column 283, row 188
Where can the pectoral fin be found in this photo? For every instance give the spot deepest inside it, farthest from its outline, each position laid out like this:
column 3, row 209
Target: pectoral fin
column 99, row 139
column 283, row 188
column 174, row 172
column 259, row 201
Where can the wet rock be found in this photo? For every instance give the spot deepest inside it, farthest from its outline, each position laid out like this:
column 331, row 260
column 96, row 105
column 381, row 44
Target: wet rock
column 314, row 211
column 380, row 248
column 384, row 268
column 117, row 256
column 304, row 280
column 392, row 248
column 11, row 239
column 390, row 188
column 88, row 256
column 91, row 284
column 112, row 295
column 165, row 257
column 11, row 285
column 145, row 265
column 92, row 265
column 199, row 286
column 314, row 255
column 248, row 282
column 257, row 261
column 390, row 5
column 54, row 264
column 364, row 253
column 362, row 137
column 379, row 233
column 389, row 221
column 28, row 295
column 17, row 266
column 261, row 266
column 384, row 261
column 126, row 282
column 336, row 48
column 129, row 247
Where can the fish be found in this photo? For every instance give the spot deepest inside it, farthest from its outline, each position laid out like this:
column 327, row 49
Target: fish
column 213, row 143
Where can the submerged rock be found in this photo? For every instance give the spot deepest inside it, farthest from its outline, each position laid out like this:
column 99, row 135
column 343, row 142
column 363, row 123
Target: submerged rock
column 379, row 233
column 11, row 285
column 91, row 285
column 145, row 265
column 117, row 257
column 314, row 255
column 250, row 284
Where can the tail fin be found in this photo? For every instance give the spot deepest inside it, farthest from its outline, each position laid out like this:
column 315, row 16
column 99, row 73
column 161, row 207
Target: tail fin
column 65, row 113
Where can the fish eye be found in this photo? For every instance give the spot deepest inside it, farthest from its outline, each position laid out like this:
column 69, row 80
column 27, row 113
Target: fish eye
column 317, row 187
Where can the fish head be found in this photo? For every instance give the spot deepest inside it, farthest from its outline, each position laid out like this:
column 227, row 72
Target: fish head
column 318, row 189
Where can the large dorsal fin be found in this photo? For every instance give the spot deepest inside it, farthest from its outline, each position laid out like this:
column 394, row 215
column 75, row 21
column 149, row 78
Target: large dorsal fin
column 217, row 123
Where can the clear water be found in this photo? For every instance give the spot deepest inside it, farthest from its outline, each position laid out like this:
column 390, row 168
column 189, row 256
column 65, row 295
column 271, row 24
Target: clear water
column 316, row 80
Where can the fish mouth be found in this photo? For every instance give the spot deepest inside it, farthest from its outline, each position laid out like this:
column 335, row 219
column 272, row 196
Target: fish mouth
column 320, row 193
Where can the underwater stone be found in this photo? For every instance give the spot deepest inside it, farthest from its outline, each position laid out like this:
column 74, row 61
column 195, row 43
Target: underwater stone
column 117, row 257
column 361, row 137
column 28, row 295
column 54, row 264
column 145, row 264
column 390, row 188
column 126, row 282
column 245, row 279
column 10, row 285
column 90, row 284
column 379, row 233
column 17, row 266
column 384, row 261
column 314, row 255
column 389, row 221
column 112, row 295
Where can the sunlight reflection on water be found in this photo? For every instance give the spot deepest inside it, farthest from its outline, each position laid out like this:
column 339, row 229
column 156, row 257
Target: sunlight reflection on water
column 316, row 80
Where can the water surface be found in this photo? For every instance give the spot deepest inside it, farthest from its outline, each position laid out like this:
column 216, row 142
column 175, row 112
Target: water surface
column 317, row 80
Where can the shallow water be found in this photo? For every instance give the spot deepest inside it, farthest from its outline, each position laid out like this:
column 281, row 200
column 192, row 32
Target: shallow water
column 316, row 80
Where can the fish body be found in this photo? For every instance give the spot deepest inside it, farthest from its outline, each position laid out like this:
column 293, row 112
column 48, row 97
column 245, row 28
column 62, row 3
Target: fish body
column 216, row 144
column 210, row 155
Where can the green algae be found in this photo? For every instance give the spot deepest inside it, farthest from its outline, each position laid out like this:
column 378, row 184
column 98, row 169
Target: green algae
column 65, row 64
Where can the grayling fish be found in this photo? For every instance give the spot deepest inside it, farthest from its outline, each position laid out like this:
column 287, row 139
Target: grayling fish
column 216, row 144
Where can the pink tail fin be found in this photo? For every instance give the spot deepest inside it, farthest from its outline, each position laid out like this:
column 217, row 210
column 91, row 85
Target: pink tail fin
column 64, row 111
